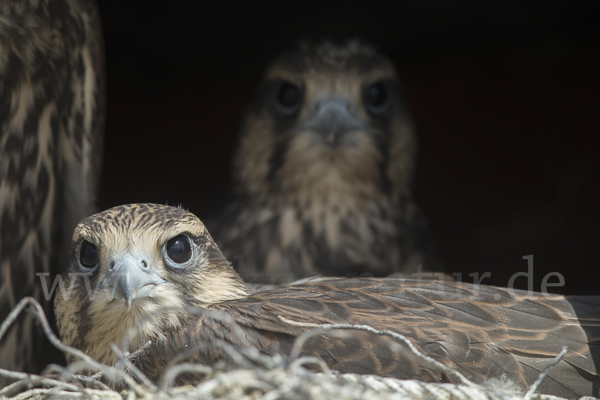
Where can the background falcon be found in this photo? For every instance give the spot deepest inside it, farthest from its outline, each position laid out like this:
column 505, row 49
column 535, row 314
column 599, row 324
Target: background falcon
column 503, row 93
column 51, row 133
column 323, row 172
column 153, row 267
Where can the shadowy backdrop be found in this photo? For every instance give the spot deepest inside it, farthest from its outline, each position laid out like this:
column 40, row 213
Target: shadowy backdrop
column 505, row 94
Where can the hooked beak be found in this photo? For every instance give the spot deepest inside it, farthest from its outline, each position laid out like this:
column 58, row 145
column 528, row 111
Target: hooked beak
column 131, row 278
column 333, row 118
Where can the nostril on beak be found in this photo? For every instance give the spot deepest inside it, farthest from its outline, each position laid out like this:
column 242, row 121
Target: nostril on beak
column 144, row 264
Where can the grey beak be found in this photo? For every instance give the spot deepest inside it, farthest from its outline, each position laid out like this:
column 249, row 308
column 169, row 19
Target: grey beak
column 131, row 278
column 333, row 118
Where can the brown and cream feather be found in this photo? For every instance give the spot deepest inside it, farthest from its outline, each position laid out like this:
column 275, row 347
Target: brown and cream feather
column 51, row 136
column 481, row 331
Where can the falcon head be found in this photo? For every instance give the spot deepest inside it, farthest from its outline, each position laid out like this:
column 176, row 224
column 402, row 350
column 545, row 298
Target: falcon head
column 326, row 122
column 133, row 272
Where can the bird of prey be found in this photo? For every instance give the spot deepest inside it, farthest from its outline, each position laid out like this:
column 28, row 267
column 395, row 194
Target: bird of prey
column 323, row 170
column 138, row 273
column 51, row 135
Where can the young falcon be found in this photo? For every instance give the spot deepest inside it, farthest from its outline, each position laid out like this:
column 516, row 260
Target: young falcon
column 141, row 272
column 323, row 170
column 51, row 134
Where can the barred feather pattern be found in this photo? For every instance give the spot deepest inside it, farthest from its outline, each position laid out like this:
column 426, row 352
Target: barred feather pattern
column 52, row 105
column 480, row 331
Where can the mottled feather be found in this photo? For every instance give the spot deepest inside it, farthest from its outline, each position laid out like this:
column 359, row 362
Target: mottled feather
column 51, row 135
column 481, row 331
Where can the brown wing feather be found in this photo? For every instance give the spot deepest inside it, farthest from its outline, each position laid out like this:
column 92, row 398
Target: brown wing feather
column 483, row 332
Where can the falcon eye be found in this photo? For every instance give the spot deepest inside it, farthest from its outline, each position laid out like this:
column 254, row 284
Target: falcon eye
column 179, row 249
column 376, row 98
column 289, row 98
column 88, row 255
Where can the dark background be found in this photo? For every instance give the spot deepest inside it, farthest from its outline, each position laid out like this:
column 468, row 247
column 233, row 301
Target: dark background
column 506, row 97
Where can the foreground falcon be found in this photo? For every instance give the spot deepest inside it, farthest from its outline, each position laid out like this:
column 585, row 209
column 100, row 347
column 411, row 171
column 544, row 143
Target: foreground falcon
column 152, row 267
column 323, row 171
column 51, row 133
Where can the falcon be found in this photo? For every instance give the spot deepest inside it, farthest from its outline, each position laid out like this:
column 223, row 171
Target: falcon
column 322, row 176
column 51, row 134
column 147, row 272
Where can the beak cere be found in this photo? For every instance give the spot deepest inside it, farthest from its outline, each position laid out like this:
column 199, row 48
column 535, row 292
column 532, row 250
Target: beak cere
column 333, row 118
column 131, row 278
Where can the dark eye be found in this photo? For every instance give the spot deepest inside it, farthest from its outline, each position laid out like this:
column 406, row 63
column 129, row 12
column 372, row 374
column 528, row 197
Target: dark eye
column 376, row 98
column 288, row 99
column 179, row 249
column 88, row 255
